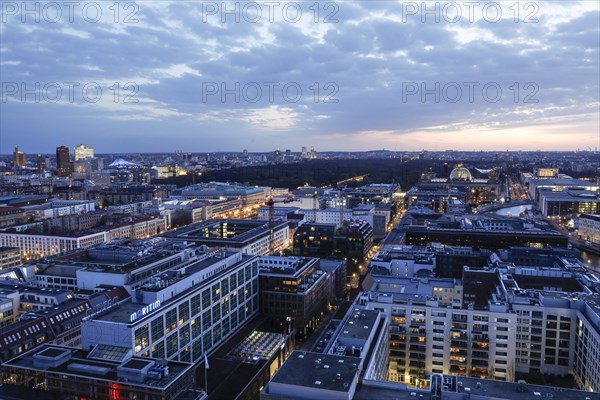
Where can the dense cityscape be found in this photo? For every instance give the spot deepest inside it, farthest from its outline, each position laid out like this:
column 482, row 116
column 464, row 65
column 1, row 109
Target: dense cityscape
column 299, row 200
column 137, row 276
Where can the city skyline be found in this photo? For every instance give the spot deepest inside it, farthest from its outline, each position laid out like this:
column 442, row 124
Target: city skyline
column 203, row 78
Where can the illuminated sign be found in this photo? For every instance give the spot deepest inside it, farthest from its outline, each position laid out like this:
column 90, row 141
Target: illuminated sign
column 144, row 311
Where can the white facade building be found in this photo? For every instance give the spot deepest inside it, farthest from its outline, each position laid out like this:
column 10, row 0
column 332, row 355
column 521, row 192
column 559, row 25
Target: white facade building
column 186, row 316
column 589, row 228
column 83, row 151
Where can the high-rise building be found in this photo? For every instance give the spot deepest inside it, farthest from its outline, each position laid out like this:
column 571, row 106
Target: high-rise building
column 64, row 167
column 83, row 151
column 19, row 159
column 41, row 163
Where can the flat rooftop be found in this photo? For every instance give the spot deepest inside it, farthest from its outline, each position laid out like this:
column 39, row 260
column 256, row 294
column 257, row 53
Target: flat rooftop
column 490, row 389
column 116, row 256
column 360, row 324
column 224, row 231
column 319, row 371
column 122, row 313
column 283, row 266
column 512, row 391
column 74, row 362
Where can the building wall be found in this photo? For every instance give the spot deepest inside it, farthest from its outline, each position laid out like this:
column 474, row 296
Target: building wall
column 557, row 339
column 189, row 327
column 589, row 229
column 10, row 257
column 36, row 246
column 586, row 354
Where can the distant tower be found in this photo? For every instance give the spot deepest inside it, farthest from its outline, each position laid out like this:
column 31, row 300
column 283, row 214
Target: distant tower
column 64, row 167
column 41, row 163
column 19, row 160
column 83, row 151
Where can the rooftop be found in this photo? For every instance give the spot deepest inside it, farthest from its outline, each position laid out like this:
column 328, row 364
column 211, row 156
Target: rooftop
column 75, row 362
column 224, row 231
column 320, row 371
column 473, row 388
column 359, row 325
column 515, row 391
column 117, row 256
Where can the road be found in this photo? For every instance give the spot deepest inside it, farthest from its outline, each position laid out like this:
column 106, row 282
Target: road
column 516, row 191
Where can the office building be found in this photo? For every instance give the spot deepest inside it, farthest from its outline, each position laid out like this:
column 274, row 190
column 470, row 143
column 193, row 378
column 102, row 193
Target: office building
column 183, row 312
column 34, row 245
column 483, row 233
column 558, row 185
column 568, row 203
column 294, row 290
column 12, row 216
column 104, row 373
column 9, row 257
column 351, row 242
column 589, row 228
column 83, row 151
column 19, row 159
column 248, row 236
column 64, row 166
column 249, row 195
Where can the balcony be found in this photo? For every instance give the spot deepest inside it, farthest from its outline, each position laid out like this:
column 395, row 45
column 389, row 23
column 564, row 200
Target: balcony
column 480, row 338
column 418, row 331
column 458, row 361
column 458, row 370
column 460, row 344
column 458, row 352
column 459, row 318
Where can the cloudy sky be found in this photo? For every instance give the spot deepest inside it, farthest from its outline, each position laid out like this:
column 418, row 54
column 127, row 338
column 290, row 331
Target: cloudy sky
column 152, row 76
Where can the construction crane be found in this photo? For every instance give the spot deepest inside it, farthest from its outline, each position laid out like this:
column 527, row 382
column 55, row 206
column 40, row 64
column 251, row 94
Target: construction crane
column 341, row 209
column 315, row 206
column 271, row 204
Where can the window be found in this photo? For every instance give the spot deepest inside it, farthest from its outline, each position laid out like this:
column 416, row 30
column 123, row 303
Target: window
column 216, row 293
column 158, row 350
column 225, row 287
column 171, row 320
column 172, row 345
column 184, row 312
column 184, row 335
column 207, row 340
column 195, row 304
column 205, row 299
column 141, row 338
column 206, row 319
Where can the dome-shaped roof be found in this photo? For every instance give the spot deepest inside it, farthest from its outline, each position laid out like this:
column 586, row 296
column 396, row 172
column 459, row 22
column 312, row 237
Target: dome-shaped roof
column 460, row 174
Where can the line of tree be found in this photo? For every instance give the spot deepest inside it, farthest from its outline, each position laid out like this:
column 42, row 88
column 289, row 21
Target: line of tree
column 316, row 173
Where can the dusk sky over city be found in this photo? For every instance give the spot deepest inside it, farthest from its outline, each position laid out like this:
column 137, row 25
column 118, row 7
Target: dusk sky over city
column 355, row 75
